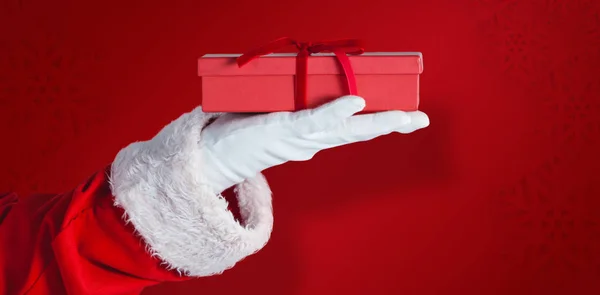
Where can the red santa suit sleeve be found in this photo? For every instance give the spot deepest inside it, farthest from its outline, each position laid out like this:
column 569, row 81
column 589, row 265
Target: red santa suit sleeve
column 147, row 218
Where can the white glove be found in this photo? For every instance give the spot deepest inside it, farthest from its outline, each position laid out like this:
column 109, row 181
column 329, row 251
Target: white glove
column 169, row 186
column 239, row 146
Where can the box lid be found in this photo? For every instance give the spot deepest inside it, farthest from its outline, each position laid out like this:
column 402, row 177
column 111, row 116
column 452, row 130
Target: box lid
column 380, row 63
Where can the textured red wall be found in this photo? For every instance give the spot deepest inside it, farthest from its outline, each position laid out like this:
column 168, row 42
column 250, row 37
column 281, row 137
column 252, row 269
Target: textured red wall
column 498, row 196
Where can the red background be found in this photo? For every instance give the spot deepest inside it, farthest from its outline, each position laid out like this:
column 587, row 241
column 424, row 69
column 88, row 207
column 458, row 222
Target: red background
column 497, row 196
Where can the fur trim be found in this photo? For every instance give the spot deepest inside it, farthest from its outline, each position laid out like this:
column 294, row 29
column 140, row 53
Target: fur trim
column 160, row 186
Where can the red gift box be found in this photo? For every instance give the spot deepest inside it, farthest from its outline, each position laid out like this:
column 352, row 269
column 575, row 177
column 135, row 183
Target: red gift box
column 265, row 82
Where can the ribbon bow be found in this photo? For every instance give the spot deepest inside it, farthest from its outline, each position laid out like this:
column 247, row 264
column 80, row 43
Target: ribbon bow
column 339, row 47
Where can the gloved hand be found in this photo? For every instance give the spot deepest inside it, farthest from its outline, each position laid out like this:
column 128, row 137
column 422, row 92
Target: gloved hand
column 238, row 146
column 170, row 186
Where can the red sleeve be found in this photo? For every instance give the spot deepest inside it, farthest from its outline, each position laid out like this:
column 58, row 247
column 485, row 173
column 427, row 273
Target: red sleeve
column 78, row 242
column 73, row 243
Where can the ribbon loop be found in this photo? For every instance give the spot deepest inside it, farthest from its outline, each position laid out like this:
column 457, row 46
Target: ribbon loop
column 339, row 47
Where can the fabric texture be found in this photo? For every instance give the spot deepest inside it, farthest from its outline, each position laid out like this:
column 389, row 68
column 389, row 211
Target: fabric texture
column 161, row 186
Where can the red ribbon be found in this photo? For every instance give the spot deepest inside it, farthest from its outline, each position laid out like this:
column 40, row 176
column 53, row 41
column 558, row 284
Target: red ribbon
column 339, row 47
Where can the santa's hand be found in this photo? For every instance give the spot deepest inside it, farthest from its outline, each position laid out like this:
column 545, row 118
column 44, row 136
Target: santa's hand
column 237, row 146
column 170, row 186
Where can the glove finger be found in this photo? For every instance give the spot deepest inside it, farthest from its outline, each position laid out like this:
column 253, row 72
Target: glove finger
column 369, row 126
column 419, row 120
column 373, row 125
column 365, row 127
column 327, row 115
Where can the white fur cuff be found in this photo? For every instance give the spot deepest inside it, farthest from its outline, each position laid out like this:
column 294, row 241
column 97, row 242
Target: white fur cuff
column 160, row 186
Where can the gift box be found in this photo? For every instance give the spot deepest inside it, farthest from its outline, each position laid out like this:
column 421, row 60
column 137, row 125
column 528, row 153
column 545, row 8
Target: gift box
column 261, row 81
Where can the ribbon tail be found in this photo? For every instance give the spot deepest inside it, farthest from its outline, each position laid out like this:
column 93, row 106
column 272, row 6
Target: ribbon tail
column 348, row 71
column 301, row 100
column 264, row 50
